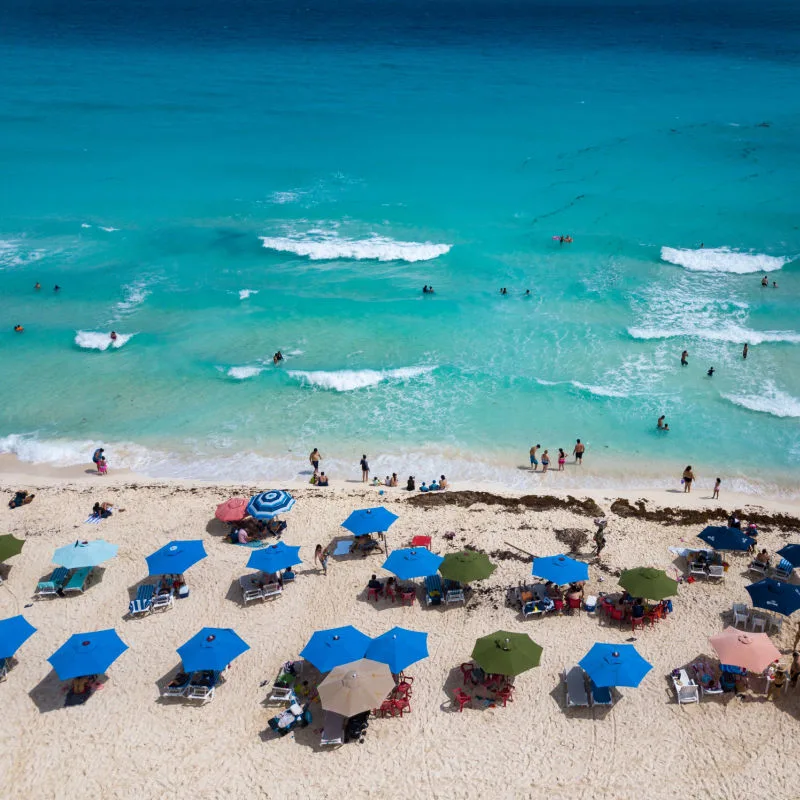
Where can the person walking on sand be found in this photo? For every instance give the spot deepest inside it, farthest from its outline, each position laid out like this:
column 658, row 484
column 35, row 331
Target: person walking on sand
column 715, row 495
column 688, row 477
column 685, row 358
column 545, row 461
column 314, row 459
column 744, row 350
column 321, row 556
column 534, row 460
column 364, row 469
column 578, row 452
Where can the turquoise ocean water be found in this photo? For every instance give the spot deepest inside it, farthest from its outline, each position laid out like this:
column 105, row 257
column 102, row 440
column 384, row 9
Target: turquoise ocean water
column 217, row 181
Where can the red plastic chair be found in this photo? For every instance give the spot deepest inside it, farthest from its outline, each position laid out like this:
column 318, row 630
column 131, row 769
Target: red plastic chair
column 616, row 614
column 407, row 597
column 421, row 541
column 637, row 622
column 505, row 694
column 390, row 592
column 402, row 690
column 559, row 604
column 405, row 678
column 466, row 672
column 463, row 699
column 373, row 593
column 574, row 603
column 401, row 704
column 387, row 706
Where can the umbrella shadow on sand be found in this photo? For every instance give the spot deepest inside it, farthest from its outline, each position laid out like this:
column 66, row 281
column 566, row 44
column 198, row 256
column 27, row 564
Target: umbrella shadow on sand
column 216, row 527
column 559, row 696
column 51, row 693
column 481, row 697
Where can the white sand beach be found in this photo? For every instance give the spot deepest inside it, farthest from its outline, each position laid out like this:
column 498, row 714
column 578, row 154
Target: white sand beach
column 126, row 742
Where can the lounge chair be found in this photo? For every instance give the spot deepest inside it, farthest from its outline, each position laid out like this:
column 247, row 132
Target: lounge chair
column 601, row 695
column 202, row 685
column 162, row 601
column 333, row 729
column 698, row 568
column 716, row 571
column 78, row 580
column 575, row 681
column 143, row 603
column 531, row 609
column 740, row 614
column 178, row 686
column 54, row 584
column 433, row 590
column 453, row 592
column 272, row 590
column 251, row 590
column 758, row 568
column 783, row 571
column 686, row 688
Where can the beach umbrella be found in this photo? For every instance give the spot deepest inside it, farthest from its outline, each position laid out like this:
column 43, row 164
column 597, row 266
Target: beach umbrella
column 614, row 665
column 751, row 651
column 369, row 520
column 411, row 562
column 212, row 649
column 269, row 504
column 654, row 584
column 274, row 558
column 84, row 554
column 10, row 546
column 399, row 648
column 353, row 688
column 560, row 569
column 176, row 557
column 14, row 632
column 233, row 510
column 87, row 654
column 722, row 538
column 504, row 653
column 335, row 646
column 466, row 566
column 791, row 553
column 777, row 596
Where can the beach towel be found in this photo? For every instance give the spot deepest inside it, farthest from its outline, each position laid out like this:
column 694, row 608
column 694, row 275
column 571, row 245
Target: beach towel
column 254, row 545
column 93, row 519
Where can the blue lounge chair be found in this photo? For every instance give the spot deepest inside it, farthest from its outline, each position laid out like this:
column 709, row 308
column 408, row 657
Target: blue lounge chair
column 53, row 584
column 601, row 695
column 77, row 582
column 143, row 604
column 433, row 590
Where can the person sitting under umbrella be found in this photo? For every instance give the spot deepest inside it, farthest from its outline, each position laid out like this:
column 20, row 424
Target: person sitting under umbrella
column 763, row 558
column 637, row 609
column 275, row 526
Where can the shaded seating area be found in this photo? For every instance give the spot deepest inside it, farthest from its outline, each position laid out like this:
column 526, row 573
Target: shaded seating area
column 258, row 586
column 197, row 685
column 486, row 690
column 296, row 716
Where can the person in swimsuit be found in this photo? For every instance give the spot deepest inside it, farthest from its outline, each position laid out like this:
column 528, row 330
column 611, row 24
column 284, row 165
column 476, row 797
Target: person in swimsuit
column 688, row 477
column 562, row 459
column 710, row 372
column 534, row 460
column 56, row 288
column 364, row 469
column 37, row 286
column 715, row 495
column 684, row 358
column 578, row 452
column 113, row 336
column 660, row 422
column 545, row 461
column 527, row 293
column 744, row 350
column 19, row 328
column 764, row 281
column 277, row 358
column 314, row 459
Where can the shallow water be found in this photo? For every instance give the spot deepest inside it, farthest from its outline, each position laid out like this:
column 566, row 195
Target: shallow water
column 218, row 185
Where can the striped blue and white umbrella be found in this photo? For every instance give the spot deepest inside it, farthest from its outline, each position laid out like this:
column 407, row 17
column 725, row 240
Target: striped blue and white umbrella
column 267, row 505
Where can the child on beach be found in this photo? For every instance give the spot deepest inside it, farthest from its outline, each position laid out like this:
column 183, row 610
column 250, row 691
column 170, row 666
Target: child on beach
column 321, row 556
column 562, row 459
column 715, row 496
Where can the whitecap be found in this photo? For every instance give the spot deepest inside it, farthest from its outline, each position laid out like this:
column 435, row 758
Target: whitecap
column 108, row 230
column 320, row 246
column 282, row 198
column 598, row 391
column 735, row 334
column 97, row 340
column 243, row 373
column 85, row 225
column 245, row 293
column 12, row 254
column 135, row 294
column 348, row 380
column 770, row 400
column 722, row 259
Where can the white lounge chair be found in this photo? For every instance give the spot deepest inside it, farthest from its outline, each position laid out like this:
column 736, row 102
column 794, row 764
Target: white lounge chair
column 716, row 571
column 575, row 681
column 162, row 601
column 250, row 589
column 272, row 590
column 282, row 694
column 333, row 729
column 178, row 686
column 203, row 688
column 686, row 689
column 740, row 614
column 757, row 567
column 758, row 622
column 698, row 568
column 454, row 596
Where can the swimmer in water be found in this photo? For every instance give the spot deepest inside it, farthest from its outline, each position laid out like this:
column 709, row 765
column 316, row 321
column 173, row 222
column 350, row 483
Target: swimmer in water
column 666, row 427
column 660, row 423
column 19, row 328
column 425, row 289
column 744, row 350
column 527, row 293
column 774, row 284
column 710, row 372
column 764, row 281
column 113, row 336
column 277, row 358
column 56, row 288
column 504, row 291
column 37, row 286
column 702, row 245
column 685, row 358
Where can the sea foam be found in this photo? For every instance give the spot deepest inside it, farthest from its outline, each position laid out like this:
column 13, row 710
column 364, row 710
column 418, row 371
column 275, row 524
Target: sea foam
column 243, row 373
column 348, row 380
column 735, row 334
column 598, row 391
column 96, row 340
column 135, row 294
column 722, row 259
column 770, row 400
column 322, row 246
column 245, row 293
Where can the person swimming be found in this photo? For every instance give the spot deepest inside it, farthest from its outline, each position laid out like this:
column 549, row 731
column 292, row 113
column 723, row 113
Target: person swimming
column 764, row 281
column 37, row 286
column 710, row 372
column 527, row 293
column 56, row 288
column 113, row 336
column 504, row 291
column 277, row 358
column 19, row 328
column 660, row 423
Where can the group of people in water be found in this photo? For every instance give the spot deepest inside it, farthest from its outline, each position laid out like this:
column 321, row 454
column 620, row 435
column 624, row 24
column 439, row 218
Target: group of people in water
column 577, row 451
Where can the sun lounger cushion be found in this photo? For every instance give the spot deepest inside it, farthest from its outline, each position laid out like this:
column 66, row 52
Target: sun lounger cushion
column 77, row 582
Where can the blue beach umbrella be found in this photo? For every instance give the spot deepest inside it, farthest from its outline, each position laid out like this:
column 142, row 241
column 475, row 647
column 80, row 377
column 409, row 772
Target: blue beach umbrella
column 336, row 646
column 176, row 557
column 560, row 569
column 84, row 554
column 614, row 665
column 87, row 654
column 410, row 562
column 14, row 632
column 399, row 648
column 274, row 558
column 369, row 520
column 722, row 538
column 777, row 596
column 212, row 649
column 267, row 505
column 791, row 553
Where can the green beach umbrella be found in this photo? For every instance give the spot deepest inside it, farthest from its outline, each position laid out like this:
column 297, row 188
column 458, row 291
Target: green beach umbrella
column 9, row 546
column 505, row 653
column 466, row 566
column 653, row 584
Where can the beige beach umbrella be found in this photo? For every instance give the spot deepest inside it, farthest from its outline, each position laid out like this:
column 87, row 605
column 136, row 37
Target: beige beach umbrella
column 356, row 687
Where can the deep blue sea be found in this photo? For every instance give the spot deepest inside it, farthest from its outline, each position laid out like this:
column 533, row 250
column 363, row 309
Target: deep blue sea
column 216, row 181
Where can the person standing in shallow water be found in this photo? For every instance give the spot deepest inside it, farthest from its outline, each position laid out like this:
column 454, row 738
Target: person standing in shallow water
column 578, row 451
column 744, row 350
column 364, row 468
column 685, row 358
column 534, row 460
column 688, row 477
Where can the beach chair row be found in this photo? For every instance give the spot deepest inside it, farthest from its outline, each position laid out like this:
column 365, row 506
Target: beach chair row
column 437, row 591
column 194, row 685
column 64, row 581
column 582, row 692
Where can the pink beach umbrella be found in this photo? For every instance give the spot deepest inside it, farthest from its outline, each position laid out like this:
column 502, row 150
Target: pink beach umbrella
column 751, row 651
column 233, row 510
